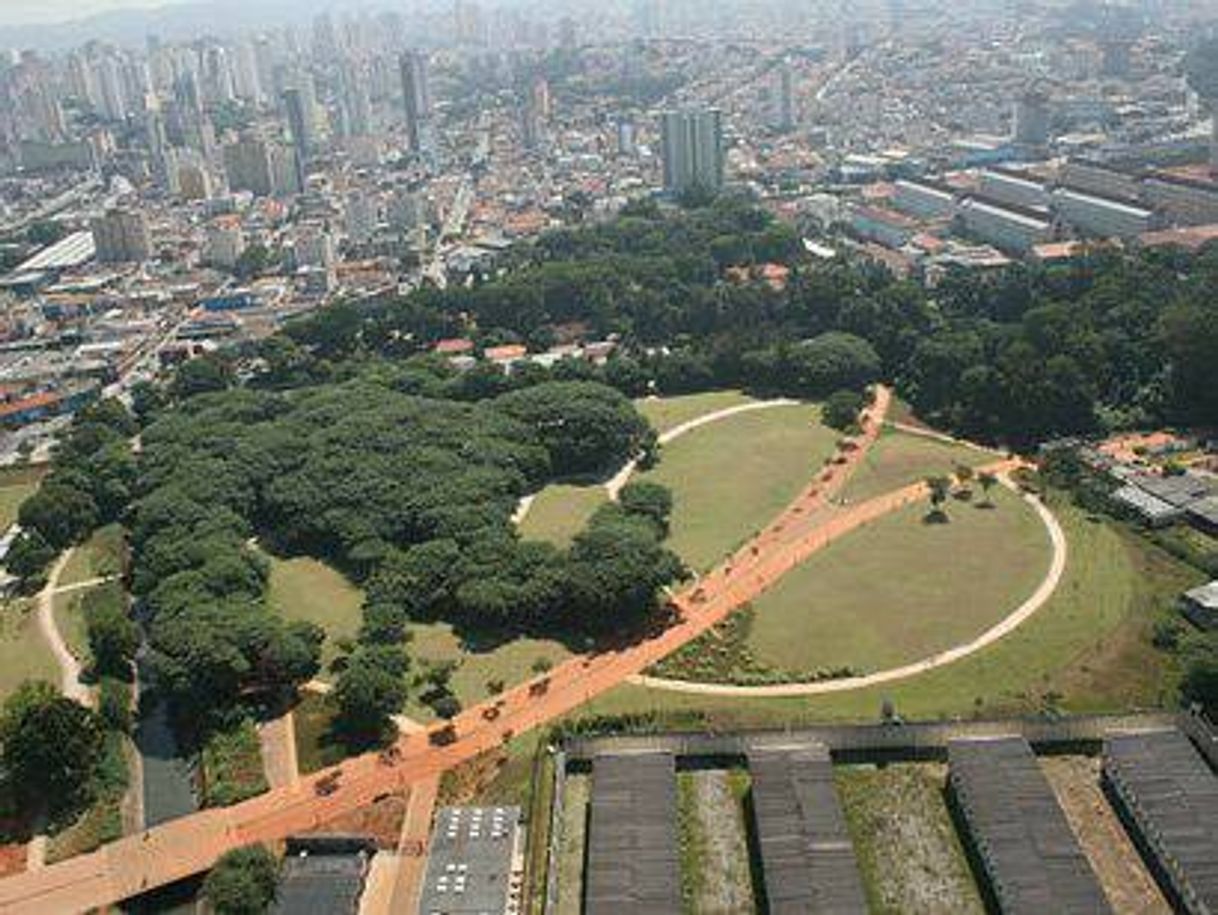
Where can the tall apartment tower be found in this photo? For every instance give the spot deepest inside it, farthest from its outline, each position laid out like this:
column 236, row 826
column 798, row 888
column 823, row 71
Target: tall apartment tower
column 1031, row 119
column 692, row 144
column 416, row 97
column 300, row 122
column 121, row 236
column 248, row 166
column 786, row 96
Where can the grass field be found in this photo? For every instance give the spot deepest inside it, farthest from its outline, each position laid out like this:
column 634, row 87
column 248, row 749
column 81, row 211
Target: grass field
column 900, row 589
column 70, row 621
column 898, row 458
column 664, row 413
column 909, row 855
column 24, row 654
column 306, row 589
column 729, row 479
column 1086, row 650
column 560, row 511
column 16, row 485
column 302, row 588
column 99, row 556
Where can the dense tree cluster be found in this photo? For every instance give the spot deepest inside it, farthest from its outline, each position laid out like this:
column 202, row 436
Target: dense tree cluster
column 1112, row 338
column 244, row 881
column 92, row 479
column 387, row 476
column 49, row 750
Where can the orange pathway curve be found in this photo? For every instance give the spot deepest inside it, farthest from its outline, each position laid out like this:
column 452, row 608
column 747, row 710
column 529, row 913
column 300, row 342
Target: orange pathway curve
column 191, row 844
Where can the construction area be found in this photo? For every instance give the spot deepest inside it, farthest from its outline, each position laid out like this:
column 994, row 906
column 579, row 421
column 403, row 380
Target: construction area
column 1115, row 816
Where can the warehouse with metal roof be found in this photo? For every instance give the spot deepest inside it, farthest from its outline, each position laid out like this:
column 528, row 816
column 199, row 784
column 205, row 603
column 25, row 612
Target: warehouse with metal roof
column 807, row 858
column 1168, row 796
column 633, row 867
column 1018, row 833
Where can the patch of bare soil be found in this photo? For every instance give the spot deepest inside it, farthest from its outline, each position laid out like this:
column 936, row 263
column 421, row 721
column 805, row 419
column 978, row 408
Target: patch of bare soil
column 725, row 887
column 1116, row 862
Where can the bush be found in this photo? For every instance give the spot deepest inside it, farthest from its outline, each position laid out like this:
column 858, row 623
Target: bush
column 243, row 882
column 841, row 410
column 114, row 704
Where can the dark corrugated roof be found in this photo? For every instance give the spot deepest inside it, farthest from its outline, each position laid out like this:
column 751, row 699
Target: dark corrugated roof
column 1173, row 795
column 1031, row 856
column 633, row 864
column 806, row 854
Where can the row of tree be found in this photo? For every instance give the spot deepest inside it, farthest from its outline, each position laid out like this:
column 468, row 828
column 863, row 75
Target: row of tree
column 1112, row 338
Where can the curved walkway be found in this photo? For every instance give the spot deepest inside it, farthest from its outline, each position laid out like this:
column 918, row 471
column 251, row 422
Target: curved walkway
column 190, row 844
column 69, row 666
column 614, row 484
column 1002, row 628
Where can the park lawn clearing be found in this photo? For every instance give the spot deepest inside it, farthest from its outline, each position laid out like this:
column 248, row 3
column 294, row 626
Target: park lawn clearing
column 560, row 511
column 70, row 620
column 731, row 478
column 666, row 413
column 24, row 653
column 1085, row 651
column 478, row 663
column 302, row 588
column 899, row 458
column 101, row 556
column 900, row 589
column 910, row 857
column 16, row 485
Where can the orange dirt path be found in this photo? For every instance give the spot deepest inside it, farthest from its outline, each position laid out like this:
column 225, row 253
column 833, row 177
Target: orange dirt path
column 191, row 844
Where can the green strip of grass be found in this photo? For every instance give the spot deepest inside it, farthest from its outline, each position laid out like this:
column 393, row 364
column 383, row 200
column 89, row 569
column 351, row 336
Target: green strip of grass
column 1086, row 650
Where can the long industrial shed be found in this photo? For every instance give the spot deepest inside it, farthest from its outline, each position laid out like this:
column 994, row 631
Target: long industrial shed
column 1168, row 797
column 807, row 858
column 633, row 864
column 1018, row 833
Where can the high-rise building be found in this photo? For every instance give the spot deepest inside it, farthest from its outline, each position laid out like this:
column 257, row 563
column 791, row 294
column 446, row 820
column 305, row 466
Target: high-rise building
column 416, row 100
column 1214, row 139
column 692, row 144
column 786, row 96
column 300, row 123
column 225, row 243
column 248, row 166
column 122, row 235
column 361, row 216
column 1031, row 119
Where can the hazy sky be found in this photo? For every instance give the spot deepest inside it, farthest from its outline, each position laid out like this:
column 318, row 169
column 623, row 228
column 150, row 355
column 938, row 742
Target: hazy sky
column 15, row 12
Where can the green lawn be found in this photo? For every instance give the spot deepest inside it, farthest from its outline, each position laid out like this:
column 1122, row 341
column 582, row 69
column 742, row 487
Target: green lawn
column 666, row 412
column 560, row 511
column 305, row 589
column 99, row 556
column 1086, row 650
column 24, row 654
column 70, row 615
column 510, row 661
column 16, row 485
column 898, row 458
column 70, row 620
column 731, row 478
column 900, row 589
